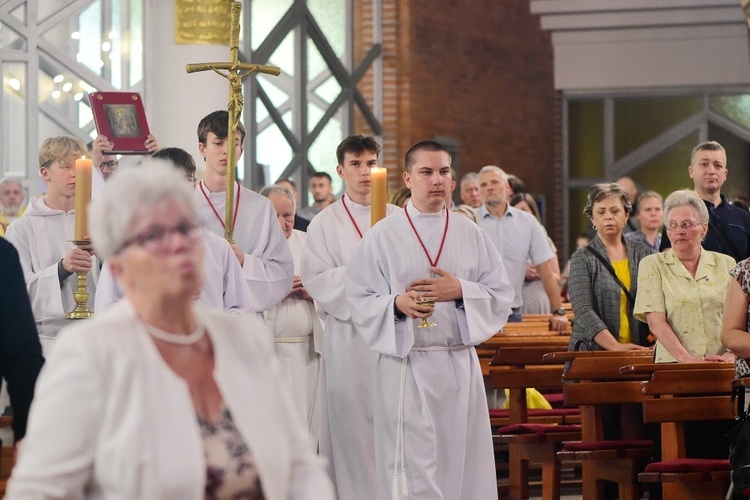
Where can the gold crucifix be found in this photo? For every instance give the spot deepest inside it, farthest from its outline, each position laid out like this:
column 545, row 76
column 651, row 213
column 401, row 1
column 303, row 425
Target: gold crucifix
column 235, row 72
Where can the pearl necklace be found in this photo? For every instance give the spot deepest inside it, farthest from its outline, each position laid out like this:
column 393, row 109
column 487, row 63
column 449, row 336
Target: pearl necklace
column 174, row 338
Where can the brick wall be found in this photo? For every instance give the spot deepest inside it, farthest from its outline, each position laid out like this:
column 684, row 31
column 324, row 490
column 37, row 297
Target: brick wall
column 479, row 71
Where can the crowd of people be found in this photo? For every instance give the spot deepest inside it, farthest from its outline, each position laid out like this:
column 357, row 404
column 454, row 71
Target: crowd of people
column 315, row 356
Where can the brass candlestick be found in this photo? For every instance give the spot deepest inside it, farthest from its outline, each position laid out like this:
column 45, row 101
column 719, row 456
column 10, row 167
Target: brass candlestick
column 81, row 295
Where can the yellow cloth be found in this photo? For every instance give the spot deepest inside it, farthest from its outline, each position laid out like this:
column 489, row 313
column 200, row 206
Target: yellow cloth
column 4, row 222
column 622, row 271
column 534, row 399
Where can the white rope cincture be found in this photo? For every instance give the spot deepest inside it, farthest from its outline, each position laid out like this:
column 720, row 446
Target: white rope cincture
column 292, row 340
column 400, row 492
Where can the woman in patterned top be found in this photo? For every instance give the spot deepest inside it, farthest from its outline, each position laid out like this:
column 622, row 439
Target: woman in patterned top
column 681, row 291
column 736, row 323
column 158, row 398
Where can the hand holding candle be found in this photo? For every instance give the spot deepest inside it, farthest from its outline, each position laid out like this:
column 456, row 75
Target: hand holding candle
column 378, row 194
column 83, row 197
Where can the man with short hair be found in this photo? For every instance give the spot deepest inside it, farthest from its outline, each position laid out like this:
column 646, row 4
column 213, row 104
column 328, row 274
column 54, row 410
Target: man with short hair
column 11, row 202
column 322, row 192
column 728, row 226
column 470, row 190
column 432, row 429
column 519, row 238
column 44, row 240
column 300, row 224
column 259, row 244
column 630, row 187
column 347, row 366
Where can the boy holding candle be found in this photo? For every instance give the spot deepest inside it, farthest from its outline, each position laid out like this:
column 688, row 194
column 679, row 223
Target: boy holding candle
column 347, row 365
column 431, row 423
column 44, row 237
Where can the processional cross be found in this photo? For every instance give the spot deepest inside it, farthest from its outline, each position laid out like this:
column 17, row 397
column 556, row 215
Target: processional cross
column 235, row 72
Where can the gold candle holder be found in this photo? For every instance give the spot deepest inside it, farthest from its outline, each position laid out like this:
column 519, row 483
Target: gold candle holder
column 81, row 295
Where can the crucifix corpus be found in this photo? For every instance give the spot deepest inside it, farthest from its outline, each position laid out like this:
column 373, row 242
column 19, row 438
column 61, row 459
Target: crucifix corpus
column 235, row 72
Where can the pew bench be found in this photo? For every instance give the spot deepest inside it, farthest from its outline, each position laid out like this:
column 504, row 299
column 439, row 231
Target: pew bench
column 517, row 368
column 672, row 397
column 593, row 382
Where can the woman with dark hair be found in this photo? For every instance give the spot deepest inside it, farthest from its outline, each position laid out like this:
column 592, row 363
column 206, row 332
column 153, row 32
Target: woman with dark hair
column 603, row 276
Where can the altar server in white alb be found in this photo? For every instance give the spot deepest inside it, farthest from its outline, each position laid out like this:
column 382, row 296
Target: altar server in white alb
column 347, row 367
column 259, row 245
column 294, row 322
column 224, row 285
column 44, row 238
column 432, row 429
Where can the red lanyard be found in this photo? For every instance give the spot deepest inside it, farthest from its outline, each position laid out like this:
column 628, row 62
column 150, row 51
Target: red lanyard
column 236, row 205
column 343, row 202
column 442, row 242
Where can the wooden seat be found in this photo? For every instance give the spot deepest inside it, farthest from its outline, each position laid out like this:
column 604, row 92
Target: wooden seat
column 6, row 457
column 516, row 369
column 593, row 381
column 672, row 397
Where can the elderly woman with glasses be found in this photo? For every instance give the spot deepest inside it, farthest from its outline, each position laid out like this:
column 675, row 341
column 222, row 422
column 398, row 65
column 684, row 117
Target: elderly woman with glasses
column 681, row 291
column 158, row 397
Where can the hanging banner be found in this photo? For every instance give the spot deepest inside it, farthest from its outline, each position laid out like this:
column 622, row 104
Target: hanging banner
column 203, row 22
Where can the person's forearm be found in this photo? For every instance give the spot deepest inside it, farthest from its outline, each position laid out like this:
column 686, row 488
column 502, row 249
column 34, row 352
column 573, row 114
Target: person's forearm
column 669, row 340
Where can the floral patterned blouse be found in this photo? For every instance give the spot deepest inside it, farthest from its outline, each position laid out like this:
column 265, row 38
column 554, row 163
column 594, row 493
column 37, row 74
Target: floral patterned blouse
column 742, row 274
column 230, row 467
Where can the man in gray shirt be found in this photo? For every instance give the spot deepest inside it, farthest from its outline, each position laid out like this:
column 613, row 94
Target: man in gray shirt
column 519, row 238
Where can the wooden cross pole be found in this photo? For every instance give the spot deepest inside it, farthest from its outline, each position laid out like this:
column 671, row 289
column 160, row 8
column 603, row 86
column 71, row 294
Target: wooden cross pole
column 235, row 72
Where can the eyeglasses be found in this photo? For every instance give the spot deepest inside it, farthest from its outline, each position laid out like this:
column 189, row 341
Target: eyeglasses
column 159, row 238
column 112, row 164
column 687, row 225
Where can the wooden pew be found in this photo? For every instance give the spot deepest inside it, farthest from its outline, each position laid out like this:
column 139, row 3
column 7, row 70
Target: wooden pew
column 593, row 381
column 6, row 457
column 673, row 397
column 517, row 368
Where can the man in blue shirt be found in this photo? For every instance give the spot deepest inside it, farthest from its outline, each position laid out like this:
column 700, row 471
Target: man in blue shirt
column 728, row 226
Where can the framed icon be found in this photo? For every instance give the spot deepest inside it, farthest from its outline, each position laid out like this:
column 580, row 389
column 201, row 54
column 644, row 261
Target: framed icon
column 120, row 117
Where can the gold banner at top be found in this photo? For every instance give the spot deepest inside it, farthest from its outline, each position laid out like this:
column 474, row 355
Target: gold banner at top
column 204, row 22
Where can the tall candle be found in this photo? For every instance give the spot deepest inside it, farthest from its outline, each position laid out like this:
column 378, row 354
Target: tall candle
column 378, row 194
column 83, row 197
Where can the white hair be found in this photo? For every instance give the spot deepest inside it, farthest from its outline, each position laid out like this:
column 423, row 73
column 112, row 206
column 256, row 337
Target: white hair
column 267, row 191
column 493, row 168
column 131, row 194
column 6, row 180
column 686, row 198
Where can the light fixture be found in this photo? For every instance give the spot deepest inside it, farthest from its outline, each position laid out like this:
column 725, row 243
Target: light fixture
column 55, row 94
column 14, row 83
column 78, row 96
column 58, row 79
column 106, row 46
column 67, row 86
column 75, row 35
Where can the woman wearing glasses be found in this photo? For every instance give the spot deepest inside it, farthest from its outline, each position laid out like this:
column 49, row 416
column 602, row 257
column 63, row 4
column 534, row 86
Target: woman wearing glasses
column 157, row 397
column 681, row 291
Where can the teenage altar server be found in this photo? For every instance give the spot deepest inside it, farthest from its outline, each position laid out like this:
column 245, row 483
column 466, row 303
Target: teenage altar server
column 295, row 324
column 432, row 425
column 259, row 245
column 346, row 430
column 224, row 285
column 44, row 238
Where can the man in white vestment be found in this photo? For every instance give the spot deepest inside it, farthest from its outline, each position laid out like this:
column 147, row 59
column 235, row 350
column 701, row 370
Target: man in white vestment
column 347, row 365
column 432, row 428
column 11, row 202
column 224, row 285
column 259, row 244
column 294, row 321
column 43, row 236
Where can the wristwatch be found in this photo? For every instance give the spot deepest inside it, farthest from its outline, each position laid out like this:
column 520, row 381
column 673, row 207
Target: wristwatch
column 559, row 312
